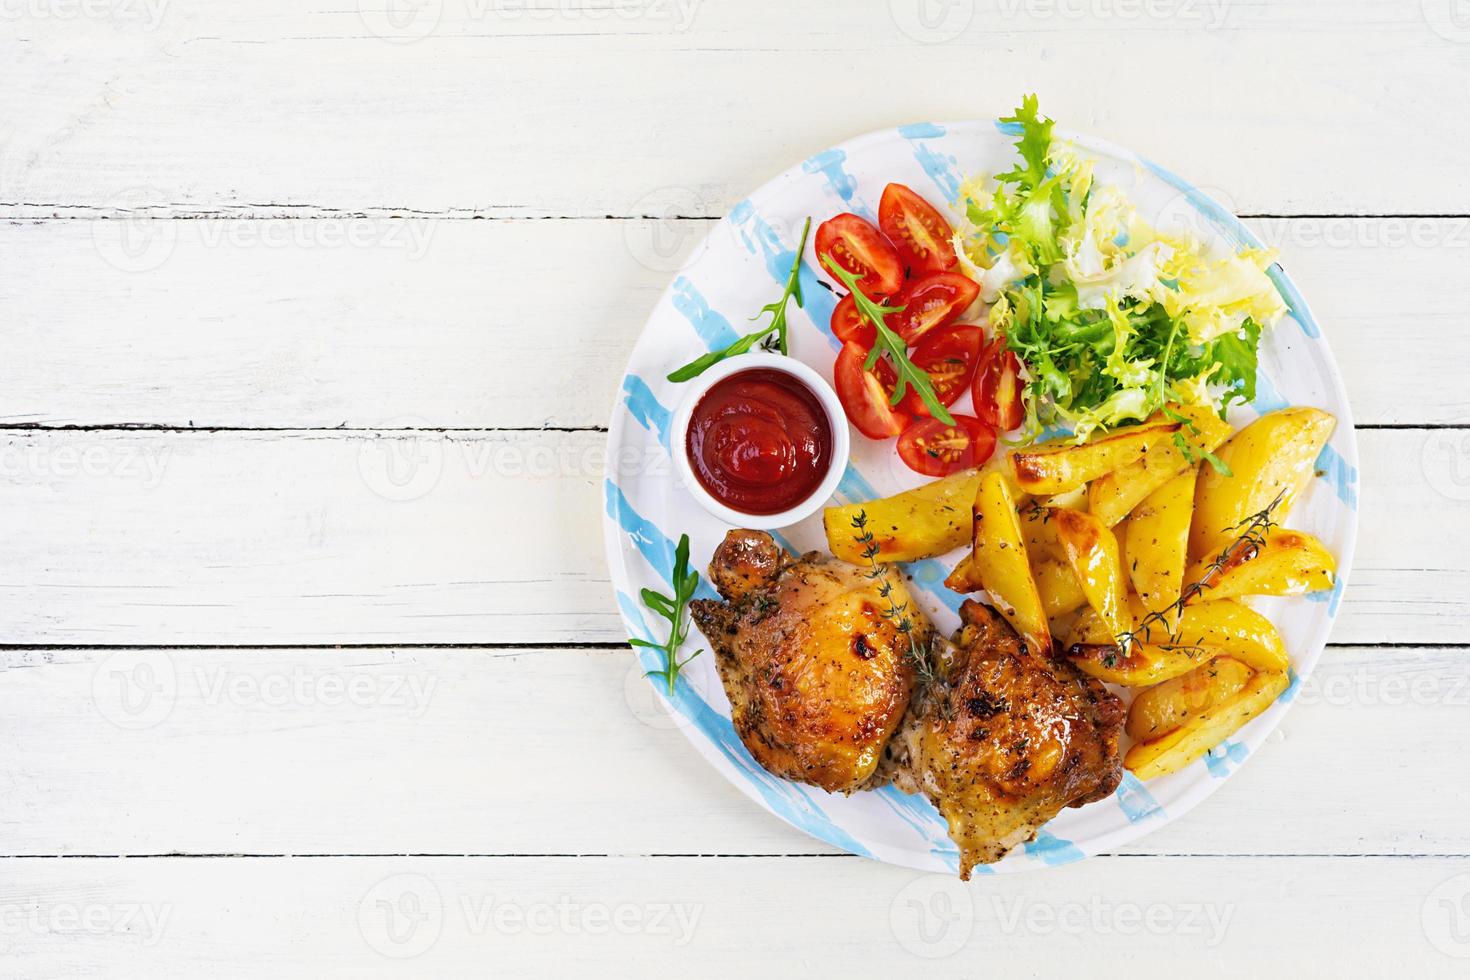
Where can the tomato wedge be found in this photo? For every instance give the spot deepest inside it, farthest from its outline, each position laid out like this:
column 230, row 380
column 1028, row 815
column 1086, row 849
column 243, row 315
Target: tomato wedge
column 937, row 448
column 861, row 249
column 998, row 387
column 850, row 326
column 864, row 397
column 919, row 232
column 930, row 303
column 949, row 355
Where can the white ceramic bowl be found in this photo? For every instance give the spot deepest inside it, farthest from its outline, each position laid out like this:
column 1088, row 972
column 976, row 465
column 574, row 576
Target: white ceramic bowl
column 836, row 421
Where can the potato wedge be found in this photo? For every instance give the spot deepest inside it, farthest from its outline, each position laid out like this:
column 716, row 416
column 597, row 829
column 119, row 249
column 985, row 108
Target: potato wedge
column 1141, row 666
column 1001, row 561
column 1290, row 563
column 1092, row 551
column 1164, row 707
column 1061, row 465
column 1199, row 735
column 920, row 523
column 1055, row 582
column 1058, row 587
column 1157, row 542
column 1221, row 628
column 1274, row 455
column 1113, row 495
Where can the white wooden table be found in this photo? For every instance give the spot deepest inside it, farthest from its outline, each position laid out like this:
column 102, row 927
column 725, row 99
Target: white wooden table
column 314, row 314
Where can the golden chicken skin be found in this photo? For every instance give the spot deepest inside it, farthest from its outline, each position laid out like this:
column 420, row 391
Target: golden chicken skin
column 818, row 673
column 1006, row 740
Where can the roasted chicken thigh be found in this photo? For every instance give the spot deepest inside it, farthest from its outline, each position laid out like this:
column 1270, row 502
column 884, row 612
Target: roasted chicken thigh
column 1006, row 740
column 817, row 671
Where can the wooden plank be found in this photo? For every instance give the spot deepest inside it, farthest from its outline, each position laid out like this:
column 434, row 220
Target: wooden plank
column 363, row 111
column 281, row 538
column 272, row 322
column 473, row 751
column 373, row 917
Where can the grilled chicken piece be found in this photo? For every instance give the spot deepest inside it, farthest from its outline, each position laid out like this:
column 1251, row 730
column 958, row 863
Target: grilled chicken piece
column 1007, row 740
column 818, row 675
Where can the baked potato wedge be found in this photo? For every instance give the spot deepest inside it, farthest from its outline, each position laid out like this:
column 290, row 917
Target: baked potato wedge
column 1203, row 729
column 1092, row 552
column 1287, row 563
column 1276, row 455
column 1143, row 664
column 1002, row 565
column 1113, row 495
column 920, row 523
column 1062, row 465
column 1156, row 542
column 1221, row 628
column 1055, row 582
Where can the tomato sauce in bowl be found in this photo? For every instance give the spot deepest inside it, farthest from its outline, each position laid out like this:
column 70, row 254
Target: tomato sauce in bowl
column 759, row 441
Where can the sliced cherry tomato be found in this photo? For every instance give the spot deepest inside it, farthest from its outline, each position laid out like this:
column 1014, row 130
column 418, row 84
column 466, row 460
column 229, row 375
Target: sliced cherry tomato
column 937, row 448
column 860, row 248
column 949, row 355
column 850, row 326
column 917, row 230
column 931, row 303
column 998, row 387
column 865, row 397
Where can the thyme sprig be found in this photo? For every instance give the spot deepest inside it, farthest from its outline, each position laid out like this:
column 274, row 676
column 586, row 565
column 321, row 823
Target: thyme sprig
column 897, row 612
column 685, row 581
column 1249, row 540
column 772, row 337
column 885, row 341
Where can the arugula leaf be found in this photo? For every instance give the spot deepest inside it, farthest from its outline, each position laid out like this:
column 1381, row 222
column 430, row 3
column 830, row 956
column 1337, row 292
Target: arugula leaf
column 685, row 581
column 777, row 326
column 885, row 341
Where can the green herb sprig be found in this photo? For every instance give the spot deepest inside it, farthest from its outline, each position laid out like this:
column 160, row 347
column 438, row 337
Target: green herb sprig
column 1190, row 453
column 686, row 580
column 897, row 612
column 885, row 341
column 1250, row 538
column 775, row 330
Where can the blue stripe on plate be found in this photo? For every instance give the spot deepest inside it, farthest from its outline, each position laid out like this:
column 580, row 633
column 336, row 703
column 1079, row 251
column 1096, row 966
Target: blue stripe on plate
column 646, row 409
column 1225, row 758
column 760, row 238
column 831, row 165
column 711, row 326
column 939, row 167
column 1134, row 799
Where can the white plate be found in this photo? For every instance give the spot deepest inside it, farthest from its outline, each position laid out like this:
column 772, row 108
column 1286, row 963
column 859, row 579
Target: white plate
column 740, row 267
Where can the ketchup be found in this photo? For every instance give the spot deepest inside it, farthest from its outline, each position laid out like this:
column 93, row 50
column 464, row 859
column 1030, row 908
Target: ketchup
column 759, row 441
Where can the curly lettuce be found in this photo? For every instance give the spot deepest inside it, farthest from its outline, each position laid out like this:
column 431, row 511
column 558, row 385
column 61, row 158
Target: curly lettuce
column 1112, row 318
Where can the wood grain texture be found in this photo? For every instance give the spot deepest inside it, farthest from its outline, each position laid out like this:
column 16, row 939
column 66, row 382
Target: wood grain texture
column 339, row 321
column 466, row 917
column 475, row 751
column 588, row 108
column 163, row 538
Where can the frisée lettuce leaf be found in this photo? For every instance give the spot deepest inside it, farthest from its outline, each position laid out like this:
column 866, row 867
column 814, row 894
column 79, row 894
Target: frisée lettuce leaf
column 1112, row 318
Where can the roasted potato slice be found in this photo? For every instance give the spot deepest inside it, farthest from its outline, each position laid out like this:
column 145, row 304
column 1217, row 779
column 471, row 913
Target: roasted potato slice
column 1164, row 707
column 1157, row 542
column 929, row 520
column 1206, row 729
column 1113, row 495
column 1092, row 551
column 1061, row 465
column 1221, row 628
column 1275, row 455
column 1143, row 664
column 1057, row 584
column 1288, row 563
column 1001, row 561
